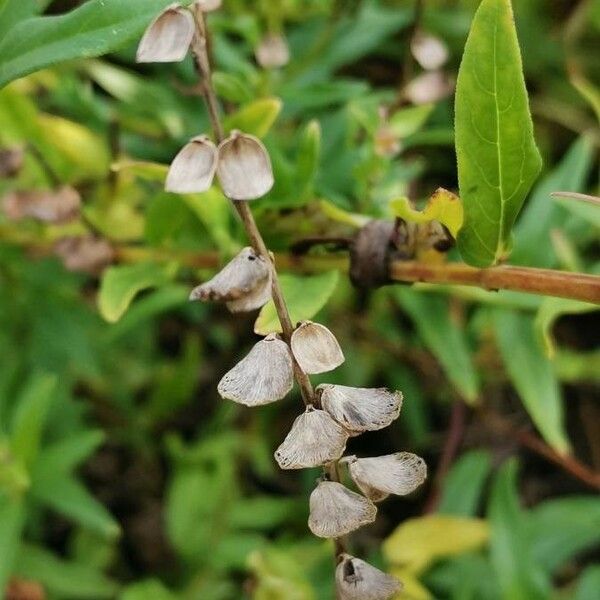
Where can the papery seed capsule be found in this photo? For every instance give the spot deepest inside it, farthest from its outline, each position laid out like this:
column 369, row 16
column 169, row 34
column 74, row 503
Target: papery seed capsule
column 265, row 375
column 273, row 52
column 315, row 439
column 193, row 169
column 50, row 206
column 85, row 254
column 432, row 86
column 244, row 283
column 244, row 167
column 400, row 473
column 315, row 348
column 208, row 5
column 335, row 510
column 360, row 409
column 168, row 37
column 356, row 579
column 429, row 51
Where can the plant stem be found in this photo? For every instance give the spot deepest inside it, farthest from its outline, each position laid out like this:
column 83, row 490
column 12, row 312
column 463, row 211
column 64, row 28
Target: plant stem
column 546, row 282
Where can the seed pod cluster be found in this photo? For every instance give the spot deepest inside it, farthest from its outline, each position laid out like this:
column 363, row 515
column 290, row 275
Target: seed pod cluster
column 333, row 414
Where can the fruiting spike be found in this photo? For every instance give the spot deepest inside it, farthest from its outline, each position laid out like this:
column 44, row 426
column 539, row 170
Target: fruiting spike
column 336, row 511
column 400, row 473
column 315, row 348
column 265, row 375
column 315, row 439
column 244, row 283
column 244, row 167
column 193, row 169
column 168, row 37
column 360, row 409
column 356, row 579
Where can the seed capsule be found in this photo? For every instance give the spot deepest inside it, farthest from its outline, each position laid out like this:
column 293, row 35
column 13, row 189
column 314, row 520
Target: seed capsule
column 193, row 169
column 244, row 167
column 356, row 579
column 49, row 206
column 244, row 284
column 335, row 510
column 315, row 439
column 429, row 51
column 315, row 348
column 208, row 5
column 263, row 376
column 360, row 409
column 273, row 52
column 400, row 473
column 168, row 37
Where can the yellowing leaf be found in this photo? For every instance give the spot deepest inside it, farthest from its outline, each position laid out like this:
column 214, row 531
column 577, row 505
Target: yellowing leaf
column 443, row 206
column 305, row 297
column 149, row 171
column 256, row 118
column 418, row 542
column 412, row 588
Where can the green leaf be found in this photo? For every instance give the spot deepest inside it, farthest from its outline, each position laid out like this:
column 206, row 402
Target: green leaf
column 519, row 576
column 63, row 456
column 65, row 579
column 551, row 310
column 542, row 214
column 498, row 160
column 562, row 528
column 305, row 297
column 11, row 13
column 445, row 338
column 255, row 118
column 30, row 417
column 532, row 375
column 12, row 520
column 407, row 121
column 463, row 486
column 146, row 590
column 122, row 283
column 231, row 87
column 95, row 28
column 307, row 161
column 588, row 584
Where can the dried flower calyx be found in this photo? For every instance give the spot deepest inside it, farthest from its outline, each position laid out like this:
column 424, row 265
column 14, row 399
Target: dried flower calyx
column 168, row 37
column 193, row 169
column 400, row 473
column 360, row 409
column 265, row 375
column 272, row 52
column 356, row 579
column 315, row 439
column 335, row 510
column 315, row 348
column 244, row 284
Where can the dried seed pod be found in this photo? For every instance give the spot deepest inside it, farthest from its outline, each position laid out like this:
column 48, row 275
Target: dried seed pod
column 432, row 86
column 168, row 37
column 272, row 52
column 336, row 511
column 265, row 375
column 244, row 283
column 50, row 206
column 193, row 169
column 315, row 348
column 11, row 161
column 244, row 167
column 315, row 439
column 356, row 579
column 429, row 51
column 85, row 254
column 400, row 473
column 360, row 409
column 208, row 5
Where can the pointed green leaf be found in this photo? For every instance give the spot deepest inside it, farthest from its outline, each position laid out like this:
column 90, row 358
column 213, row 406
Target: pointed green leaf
column 255, row 118
column 305, row 297
column 122, row 283
column 95, row 28
column 12, row 519
column 532, row 375
column 63, row 456
column 588, row 584
column 498, row 160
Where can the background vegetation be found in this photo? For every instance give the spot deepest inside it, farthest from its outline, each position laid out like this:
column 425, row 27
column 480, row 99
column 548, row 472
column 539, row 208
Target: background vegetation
column 122, row 473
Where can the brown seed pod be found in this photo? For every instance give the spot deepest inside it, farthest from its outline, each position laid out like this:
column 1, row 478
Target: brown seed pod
column 244, row 167
column 429, row 51
column 360, row 409
column 315, row 439
column 315, row 348
column 50, row 206
column 168, row 37
column 11, row 161
column 85, row 254
column 431, row 86
column 400, row 473
column 244, row 284
column 356, row 579
column 336, row 511
column 273, row 52
column 265, row 375
column 193, row 169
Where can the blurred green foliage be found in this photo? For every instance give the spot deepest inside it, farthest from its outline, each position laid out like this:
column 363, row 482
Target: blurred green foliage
column 122, row 474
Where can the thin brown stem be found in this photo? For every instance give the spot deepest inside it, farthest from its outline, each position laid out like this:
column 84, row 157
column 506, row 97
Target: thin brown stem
column 546, row 282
